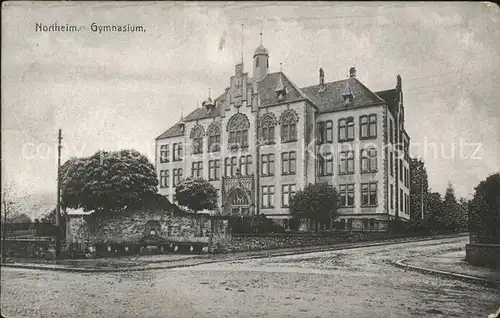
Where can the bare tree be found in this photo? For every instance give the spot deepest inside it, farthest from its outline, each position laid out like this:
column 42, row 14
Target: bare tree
column 9, row 209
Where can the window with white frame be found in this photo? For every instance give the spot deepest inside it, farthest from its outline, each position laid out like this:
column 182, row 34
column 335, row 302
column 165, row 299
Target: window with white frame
column 176, row 176
column 214, row 170
column 267, row 197
column 346, row 162
column 267, row 162
column 177, row 150
column 346, row 129
column 346, row 195
column 164, row 178
column 164, row 153
column 246, row 165
column 369, row 194
column 287, row 192
column 197, row 169
column 288, row 163
column 369, row 160
column 325, row 164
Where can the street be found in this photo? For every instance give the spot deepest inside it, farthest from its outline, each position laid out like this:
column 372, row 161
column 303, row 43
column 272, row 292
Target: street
column 360, row 282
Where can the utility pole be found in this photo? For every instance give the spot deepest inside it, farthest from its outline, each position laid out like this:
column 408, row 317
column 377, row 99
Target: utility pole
column 422, row 194
column 58, row 206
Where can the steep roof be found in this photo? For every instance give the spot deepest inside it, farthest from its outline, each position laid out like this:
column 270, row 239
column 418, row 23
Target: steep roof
column 267, row 90
column 173, row 131
column 201, row 112
column 389, row 96
column 329, row 97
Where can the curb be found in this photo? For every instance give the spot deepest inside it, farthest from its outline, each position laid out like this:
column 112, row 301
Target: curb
column 439, row 273
column 306, row 250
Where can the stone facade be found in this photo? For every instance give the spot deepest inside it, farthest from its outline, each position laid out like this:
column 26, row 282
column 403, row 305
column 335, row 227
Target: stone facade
column 273, row 137
column 139, row 227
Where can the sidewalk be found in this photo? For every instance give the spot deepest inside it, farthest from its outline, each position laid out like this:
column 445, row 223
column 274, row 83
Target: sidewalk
column 452, row 265
column 167, row 261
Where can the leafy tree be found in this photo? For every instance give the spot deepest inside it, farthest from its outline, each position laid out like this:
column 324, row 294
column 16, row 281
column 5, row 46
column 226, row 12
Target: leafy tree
column 484, row 211
column 108, row 181
column 451, row 210
column 197, row 194
column 317, row 202
column 419, row 186
column 434, row 212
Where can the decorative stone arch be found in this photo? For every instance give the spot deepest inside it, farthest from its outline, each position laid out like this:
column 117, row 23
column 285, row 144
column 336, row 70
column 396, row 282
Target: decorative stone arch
column 237, row 203
column 289, row 116
column 268, row 120
column 214, row 128
column 197, row 132
column 238, row 122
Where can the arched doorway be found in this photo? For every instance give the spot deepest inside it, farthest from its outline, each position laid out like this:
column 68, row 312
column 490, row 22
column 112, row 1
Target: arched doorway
column 237, row 203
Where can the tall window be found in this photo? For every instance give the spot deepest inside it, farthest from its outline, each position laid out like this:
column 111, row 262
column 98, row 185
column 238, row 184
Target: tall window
column 325, row 164
column 287, row 191
column 231, row 165
column 213, row 133
column 164, row 178
column 346, row 129
column 288, row 162
column 325, row 131
column 257, row 62
column 238, row 127
column 391, row 163
column 288, row 122
column 401, row 200
column 392, row 196
column 267, row 197
column 391, row 131
column 346, row 195
column 214, row 170
column 227, row 167
column 401, row 170
column 197, row 134
column 234, row 166
column 246, row 165
column 267, row 168
column 369, row 194
column 164, row 153
column 369, row 160
column 197, row 169
column 176, row 176
column 267, row 124
column 346, row 165
column 177, row 151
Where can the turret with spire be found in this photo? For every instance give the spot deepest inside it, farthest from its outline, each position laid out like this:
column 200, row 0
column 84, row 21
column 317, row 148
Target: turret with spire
column 208, row 103
column 260, row 62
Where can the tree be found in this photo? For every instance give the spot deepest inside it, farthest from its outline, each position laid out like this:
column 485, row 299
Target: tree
column 317, row 202
column 9, row 210
column 419, row 186
column 434, row 212
column 197, row 194
column 451, row 210
column 108, row 181
column 484, row 211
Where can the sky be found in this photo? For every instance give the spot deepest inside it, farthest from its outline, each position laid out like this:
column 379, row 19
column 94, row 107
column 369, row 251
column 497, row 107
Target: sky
column 111, row 91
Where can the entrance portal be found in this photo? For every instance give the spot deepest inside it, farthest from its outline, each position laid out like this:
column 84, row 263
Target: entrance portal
column 237, row 203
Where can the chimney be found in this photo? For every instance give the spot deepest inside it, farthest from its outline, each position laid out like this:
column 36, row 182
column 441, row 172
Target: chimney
column 321, row 76
column 352, row 72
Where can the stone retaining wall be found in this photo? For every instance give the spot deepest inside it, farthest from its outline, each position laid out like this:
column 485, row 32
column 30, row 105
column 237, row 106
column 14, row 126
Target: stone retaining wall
column 486, row 255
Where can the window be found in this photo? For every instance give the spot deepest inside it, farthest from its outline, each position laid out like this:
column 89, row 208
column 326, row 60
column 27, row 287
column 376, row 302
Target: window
column 177, row 152
column 391, row 131
column 227, row 167
column 401, row 200
column 329, row 131
column 214, row 170
column 369, row 194
column 213, row 133
column 288, row 162
column 197, row 134
column 164, row 153
column 246, row 165
column 164, row 178
column 325, row 164
column 176, row 176
column 267, row 196
column 346, row 165
column 321, row 132
column 392, row 196
column 234, row 166
column 368, row 126
column 267, row 165
column 288, row 122
column 346, row 129
column 257, row 62
column 406, row 203
column 369, row 160
column 230, row 165
column 197, row 169
column 267, row 134
column 346, row 195
column 391, row 163
column 238, row 127
column 287, row 192
column 267, row 123
column 401, row 170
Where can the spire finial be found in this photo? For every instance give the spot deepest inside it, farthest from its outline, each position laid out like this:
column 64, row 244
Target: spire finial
column 209, row 92
column 242, row 43
column 261, row 30
column 281, row 67
column 182, row 113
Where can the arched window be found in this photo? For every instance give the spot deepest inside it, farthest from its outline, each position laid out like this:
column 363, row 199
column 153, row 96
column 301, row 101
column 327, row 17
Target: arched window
column 237, row 128
column 288, row 121
column 213, row 133
column 267, row 123
column 197, row 134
